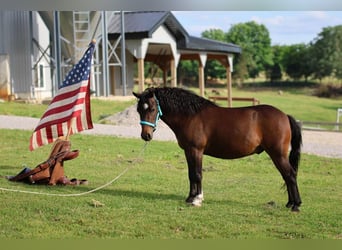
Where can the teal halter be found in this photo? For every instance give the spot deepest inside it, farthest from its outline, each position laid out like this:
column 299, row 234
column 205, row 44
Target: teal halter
column 159, row 114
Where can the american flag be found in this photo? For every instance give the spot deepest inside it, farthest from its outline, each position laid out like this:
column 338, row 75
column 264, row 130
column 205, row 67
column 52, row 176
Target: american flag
column 69, row 111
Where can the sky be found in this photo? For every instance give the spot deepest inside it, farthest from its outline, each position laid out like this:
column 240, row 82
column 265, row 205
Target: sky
column 285, row 27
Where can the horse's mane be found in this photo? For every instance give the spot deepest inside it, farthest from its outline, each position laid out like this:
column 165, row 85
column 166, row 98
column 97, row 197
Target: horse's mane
column 180, row 101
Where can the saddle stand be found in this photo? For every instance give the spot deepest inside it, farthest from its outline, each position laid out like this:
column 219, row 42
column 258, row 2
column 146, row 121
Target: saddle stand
column 51, row 171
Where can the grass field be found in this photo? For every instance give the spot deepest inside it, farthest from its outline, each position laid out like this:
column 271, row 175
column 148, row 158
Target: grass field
column 298, row 102
column 244, row 199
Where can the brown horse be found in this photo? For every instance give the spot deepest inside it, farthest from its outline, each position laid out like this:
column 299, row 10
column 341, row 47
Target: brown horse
column 202, row 127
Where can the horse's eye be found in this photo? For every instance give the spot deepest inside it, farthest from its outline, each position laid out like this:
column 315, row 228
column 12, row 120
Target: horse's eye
column 145, row 106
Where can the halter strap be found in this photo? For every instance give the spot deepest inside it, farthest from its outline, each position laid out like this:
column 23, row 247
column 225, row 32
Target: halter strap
column 159, row 114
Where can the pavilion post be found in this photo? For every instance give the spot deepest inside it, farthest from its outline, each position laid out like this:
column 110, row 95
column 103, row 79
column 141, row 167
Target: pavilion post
column 141, row 75
column 173, row 73
column 229, row 86
column 201, row 78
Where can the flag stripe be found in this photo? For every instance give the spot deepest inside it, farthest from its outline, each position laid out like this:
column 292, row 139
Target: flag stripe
column 72, row 94
column 54, row 131
column 39, row 140
column 66, row 106
column 54, row 106
column 87, row 108
column 57, row 106
column 59, row 129
column 60, row 112
column 60, row 117
column 48, row 134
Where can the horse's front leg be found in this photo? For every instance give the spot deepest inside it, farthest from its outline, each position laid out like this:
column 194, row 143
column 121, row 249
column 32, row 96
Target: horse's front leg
column 194, row 160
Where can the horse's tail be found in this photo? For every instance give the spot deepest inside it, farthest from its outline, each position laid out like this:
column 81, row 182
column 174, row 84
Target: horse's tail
column 296, row 143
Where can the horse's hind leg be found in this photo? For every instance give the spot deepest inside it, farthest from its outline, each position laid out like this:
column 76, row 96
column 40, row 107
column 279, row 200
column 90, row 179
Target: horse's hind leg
column 289, row 176
column 292, row 189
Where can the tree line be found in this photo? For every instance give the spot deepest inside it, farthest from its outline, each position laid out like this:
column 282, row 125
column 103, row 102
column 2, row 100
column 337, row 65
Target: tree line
column 320, row 58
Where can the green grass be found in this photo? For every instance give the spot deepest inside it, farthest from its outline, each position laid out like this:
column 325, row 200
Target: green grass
column 298, row 102
column 99, row 108
column 244, row 198
column 302, row 107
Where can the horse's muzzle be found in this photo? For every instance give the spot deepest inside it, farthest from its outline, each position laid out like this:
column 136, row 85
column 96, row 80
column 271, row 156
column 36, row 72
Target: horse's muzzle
column 146, row 136
column 146, row 133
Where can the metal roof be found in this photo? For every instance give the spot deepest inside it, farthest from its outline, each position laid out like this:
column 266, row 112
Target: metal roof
column 204, row 44
column 142, row 24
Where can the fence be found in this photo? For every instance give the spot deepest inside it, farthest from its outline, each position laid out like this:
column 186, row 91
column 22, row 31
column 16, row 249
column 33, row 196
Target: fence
column 321, row 126
column 244, row 99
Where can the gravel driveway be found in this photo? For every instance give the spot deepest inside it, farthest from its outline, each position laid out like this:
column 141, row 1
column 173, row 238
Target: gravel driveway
column 126, row 124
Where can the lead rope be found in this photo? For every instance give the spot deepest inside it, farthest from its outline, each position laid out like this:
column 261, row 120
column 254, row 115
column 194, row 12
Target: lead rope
column 83, row 193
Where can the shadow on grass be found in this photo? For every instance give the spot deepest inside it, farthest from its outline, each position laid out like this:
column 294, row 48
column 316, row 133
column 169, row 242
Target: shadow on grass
column 134, row 194
column 7, row 167
column 154, row 196
column 140, row 194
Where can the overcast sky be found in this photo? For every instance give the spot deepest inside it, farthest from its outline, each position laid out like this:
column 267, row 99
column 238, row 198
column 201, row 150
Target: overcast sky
column 285, row 27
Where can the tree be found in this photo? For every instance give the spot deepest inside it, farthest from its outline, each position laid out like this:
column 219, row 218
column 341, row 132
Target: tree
column 327, row 51
column 297, row 61
column 214, row 68
column 255, row 42
column 187, row 70
column 215, row 34
column 240, row 69
column 274, row 72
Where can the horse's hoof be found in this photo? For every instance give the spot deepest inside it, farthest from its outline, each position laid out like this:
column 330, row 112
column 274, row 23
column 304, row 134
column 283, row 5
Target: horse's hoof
column 197, row 202
column 289, row 204
column 189, row 200
column 295, row 209
column 194, row 204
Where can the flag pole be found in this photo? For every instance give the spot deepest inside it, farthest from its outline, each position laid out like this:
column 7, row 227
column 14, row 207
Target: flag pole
column 72, row 123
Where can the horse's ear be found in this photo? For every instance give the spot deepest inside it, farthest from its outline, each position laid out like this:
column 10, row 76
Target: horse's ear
column 150, row 92
column 136, row 95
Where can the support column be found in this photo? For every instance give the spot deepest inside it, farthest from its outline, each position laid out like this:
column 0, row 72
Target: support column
column 112, row 78
column 173, row 73
column 105, row 73
column 201, row 78
column 58, row 57
column 141, row 75
column 229, row 86
column 123, row 55
column 202, row 61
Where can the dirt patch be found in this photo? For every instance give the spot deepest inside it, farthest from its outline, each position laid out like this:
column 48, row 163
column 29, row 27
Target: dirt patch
column 323, row 143
column 127, row 117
